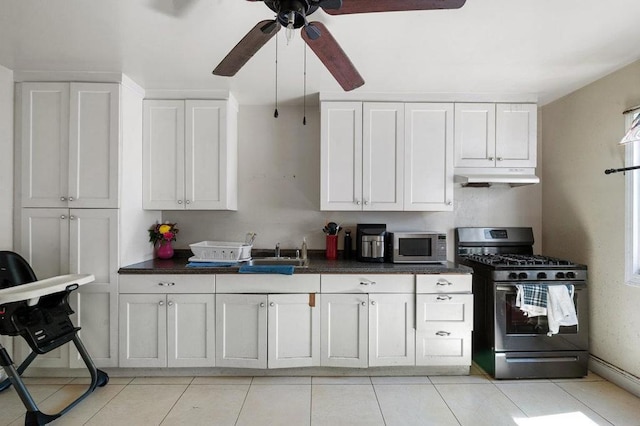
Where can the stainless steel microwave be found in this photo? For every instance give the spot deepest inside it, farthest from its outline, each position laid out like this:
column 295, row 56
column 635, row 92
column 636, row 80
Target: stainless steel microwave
column 417, row 247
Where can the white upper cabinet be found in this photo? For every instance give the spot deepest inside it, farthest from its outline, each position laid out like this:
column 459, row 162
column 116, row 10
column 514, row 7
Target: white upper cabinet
column 69, row 141
column 428, row 164
column 341, row 156
column 495, row 135
column 383, row 156
column 190, row 155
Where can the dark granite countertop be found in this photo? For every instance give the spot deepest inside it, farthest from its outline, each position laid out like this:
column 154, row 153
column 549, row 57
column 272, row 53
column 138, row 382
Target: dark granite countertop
column 317, row 265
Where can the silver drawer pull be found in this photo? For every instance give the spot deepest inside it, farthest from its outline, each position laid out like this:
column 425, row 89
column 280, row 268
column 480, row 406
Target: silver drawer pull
column 367, row 282
column 443, row 282
column 262, row 305
column 166, row 284
column 443, row 333
column 170, row 303
column 364, row 303
column 444, row 297
column 161, row 303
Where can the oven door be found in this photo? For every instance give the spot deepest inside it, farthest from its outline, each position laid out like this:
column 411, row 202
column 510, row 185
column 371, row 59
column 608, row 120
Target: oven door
column 516, row 332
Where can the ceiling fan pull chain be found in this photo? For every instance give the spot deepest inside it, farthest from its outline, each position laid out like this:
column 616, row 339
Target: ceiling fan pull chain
column 275, row 113
column 304, row 89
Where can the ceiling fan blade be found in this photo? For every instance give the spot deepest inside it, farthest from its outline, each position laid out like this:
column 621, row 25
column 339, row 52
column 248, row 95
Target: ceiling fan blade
column 369, row 6
column 332, row 56
column 247, row 47
column 330, row 4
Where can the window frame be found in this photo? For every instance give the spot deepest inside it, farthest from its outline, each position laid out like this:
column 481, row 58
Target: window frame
column 632, row 208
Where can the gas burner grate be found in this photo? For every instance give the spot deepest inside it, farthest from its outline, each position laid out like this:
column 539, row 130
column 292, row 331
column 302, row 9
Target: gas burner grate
column 518, row 260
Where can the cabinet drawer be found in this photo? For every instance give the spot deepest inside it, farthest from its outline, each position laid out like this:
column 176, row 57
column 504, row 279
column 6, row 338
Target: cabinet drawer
column 268, row 283
column 175, row 283
column 439, row 346
column 444, row 310
column 443, row 283
column 368, row 283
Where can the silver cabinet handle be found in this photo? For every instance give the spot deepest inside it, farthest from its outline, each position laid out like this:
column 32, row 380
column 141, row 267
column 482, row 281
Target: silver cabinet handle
column 272, row 304
column 367, row 282
column 444, row 297
column 63, row 217
column 161, row 303
column 449, row 202
column 188, row 202
column 179, row 201
column 358, row 202
column 364, row 303
column 443, row 333
column 166, row 284
column 443, row 282
column 70, row 198
column 262, row 305
column 72, row 217
column 366, row 202
column 63, row 198
column 490, row 158
column 499, row 158
column 373, row 302
column 170, row 303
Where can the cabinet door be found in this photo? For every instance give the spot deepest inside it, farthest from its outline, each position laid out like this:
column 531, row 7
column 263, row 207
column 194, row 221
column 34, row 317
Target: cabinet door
column 383, row 156
column 163, row 155
column 428, row 181
column 191, row 330
column 516, row 135
column 94, row 250
column 475, row 135
column 45, row 144
column 143, row 330
column 94, row 135
column 241, row 330
column 206, row 155
column 344, row 330
column 392, row 339
column 294, row 331
column 341, row 156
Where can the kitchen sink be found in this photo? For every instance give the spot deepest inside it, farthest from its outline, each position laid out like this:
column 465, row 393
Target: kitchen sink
column 288, row 261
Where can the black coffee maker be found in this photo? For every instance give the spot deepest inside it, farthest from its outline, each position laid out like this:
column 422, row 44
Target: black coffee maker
column 370, row 242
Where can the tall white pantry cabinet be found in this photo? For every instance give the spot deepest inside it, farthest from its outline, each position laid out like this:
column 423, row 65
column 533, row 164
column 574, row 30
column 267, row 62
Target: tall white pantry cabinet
column 78, row 199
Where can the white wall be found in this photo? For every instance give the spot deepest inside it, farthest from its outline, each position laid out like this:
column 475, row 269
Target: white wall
column 584, row 208
column 279, row 192
column 6, row 158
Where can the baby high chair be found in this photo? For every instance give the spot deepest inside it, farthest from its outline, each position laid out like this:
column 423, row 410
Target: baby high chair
column 39, row 312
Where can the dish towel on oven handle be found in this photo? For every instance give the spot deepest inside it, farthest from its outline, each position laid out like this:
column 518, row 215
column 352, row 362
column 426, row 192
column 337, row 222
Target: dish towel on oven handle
column 532, row 299
column 560, row 308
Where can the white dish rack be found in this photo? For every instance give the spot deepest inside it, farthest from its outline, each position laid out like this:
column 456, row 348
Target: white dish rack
column 221, row 251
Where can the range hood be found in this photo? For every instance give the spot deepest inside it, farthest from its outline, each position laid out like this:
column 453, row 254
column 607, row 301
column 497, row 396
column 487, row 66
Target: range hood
column 485, row 178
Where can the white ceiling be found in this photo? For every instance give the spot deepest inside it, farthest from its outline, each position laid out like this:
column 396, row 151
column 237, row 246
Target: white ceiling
column 545, row 48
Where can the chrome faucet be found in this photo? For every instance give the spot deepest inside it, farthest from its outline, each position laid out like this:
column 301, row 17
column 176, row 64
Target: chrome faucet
column 277, row 249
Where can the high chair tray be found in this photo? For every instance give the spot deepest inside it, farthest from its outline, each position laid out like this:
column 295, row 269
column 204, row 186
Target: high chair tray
column 33, row 291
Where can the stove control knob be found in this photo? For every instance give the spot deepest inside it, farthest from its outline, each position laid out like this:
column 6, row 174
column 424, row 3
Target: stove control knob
column 523, row 275
column 513, row 276
column 571, row 275
column 542, row 275
column 560, row 275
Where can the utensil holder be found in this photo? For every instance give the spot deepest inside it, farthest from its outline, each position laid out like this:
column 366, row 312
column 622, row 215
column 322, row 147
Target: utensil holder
column 332, row 247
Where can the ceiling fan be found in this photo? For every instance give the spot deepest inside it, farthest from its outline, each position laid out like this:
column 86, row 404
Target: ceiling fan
column 292, row 14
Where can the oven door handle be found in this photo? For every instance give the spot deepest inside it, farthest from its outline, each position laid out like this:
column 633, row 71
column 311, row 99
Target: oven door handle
column 512, row 288
column 507, row 288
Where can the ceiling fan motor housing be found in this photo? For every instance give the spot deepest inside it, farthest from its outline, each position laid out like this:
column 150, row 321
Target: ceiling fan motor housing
column 284, row 8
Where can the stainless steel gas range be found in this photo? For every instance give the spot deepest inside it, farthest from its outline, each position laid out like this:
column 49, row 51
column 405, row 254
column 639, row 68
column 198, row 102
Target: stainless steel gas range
column 507, row 343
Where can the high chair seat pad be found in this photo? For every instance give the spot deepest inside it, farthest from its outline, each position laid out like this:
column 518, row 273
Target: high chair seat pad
column 32, row 292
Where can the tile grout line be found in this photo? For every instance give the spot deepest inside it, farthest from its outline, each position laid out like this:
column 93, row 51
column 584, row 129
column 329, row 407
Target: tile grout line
column 107, row 403
column 583, row 403
column 244, row 401
column 445, row 402
column 176, row 401
column 378, row 401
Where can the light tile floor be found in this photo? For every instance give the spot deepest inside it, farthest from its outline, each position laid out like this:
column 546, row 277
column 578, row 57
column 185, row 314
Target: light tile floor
column 474, row 400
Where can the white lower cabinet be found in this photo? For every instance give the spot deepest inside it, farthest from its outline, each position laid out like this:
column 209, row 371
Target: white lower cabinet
column 392, row 334
column 345, row 319
column 267, row 331
column 167, row 321
column 444, row 320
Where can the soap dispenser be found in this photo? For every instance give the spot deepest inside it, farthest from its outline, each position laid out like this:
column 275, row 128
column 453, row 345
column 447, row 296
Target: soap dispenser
column 304, row 247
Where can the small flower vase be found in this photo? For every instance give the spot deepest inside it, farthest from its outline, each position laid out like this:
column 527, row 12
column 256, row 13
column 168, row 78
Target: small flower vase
column 164, row 250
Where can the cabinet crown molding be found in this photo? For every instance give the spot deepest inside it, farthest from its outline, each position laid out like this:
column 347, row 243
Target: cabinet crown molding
column 430, row 97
